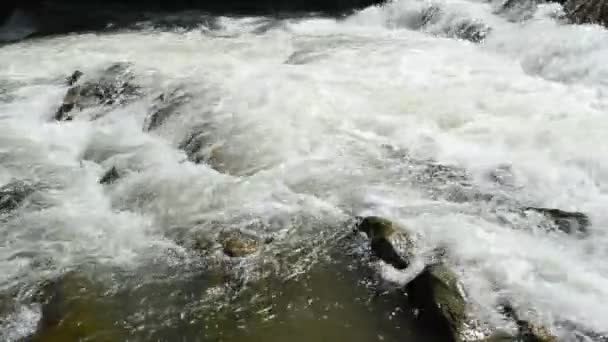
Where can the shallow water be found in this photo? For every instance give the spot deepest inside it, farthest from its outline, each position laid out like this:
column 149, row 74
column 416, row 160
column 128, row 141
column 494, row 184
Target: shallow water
column 301, row 111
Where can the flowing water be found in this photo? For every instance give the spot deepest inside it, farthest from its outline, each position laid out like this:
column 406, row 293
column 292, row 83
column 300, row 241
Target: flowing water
column 303, row 117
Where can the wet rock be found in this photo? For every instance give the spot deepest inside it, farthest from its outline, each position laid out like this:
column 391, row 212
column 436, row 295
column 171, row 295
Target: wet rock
column 389, row 243
column 166, row 105
column 238, row 244
column 111, row 176
column 75, row 309
column 198, row 241
column 472, row 30
column 13, row 195
column 429, row 15
column 526, row 331
column 193, row 144
column 587, row 11
column 436, row 293
column 565, row 221
column 519, row 10
column 114, row 87
column 200, row 147
column 74, row 77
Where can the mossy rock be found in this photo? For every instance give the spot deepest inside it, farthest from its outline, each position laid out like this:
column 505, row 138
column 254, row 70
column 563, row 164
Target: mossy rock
column 238, row 244
column 75, row 309
column 388, row 242
column 436, row 293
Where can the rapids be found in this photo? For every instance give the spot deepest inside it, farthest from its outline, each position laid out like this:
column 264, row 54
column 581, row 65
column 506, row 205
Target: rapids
column 302, row 110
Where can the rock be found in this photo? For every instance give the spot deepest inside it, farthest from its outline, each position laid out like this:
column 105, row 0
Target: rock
column 13, row 195
column 198, row 241
column 388, row 243
column 565, row 221
column 75, row 309
column 74, row 77
column 472, row 30
column 587, row 11
column 110, row 176
column 436, row 293
column 200, row 147
column 429, row 15
column 238, row 244
column 526, row 331
column 166, row 105
column 114, row 87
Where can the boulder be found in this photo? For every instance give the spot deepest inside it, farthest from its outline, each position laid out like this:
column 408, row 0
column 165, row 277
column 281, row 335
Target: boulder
column 114, row 87
column 13, row 195
column 436, row 294
column 388, row 242
column 237, row 244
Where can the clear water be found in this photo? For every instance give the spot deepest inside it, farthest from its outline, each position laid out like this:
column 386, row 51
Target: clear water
column 301, row 111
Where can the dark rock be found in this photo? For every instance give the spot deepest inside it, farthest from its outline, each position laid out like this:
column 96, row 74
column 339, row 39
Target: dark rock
column 193, row 144
column 74, row 77
column 430, row 15
column 471, row 30
column 519, row 10
column 114, row 87
column 388, row 243
column 166, row 105
column 110, row 176
column 435, row 292
column 200, row 147
column 565, row 221
column 13, row 195
column 238, row 244
column 587, row 11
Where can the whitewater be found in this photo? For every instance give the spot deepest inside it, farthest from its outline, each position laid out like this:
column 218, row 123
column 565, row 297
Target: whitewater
column 304, row 116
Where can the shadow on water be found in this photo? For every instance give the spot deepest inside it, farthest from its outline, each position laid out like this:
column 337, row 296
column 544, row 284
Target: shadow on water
column 39, row 18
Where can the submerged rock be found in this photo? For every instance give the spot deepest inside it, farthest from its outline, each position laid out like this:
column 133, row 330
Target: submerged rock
column 13, row 195
column 565, row 221
column 198, row 241
column 473, row 31
column 436, row 293
column 166, row 105
column 201, row 147
column 75, row 309
column 526, row 331
column 389, row 243
column 238, row 244
column 111, row 176
column 114, row 87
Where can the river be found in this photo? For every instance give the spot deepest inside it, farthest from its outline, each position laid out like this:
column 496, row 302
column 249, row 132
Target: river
column 301, row 115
